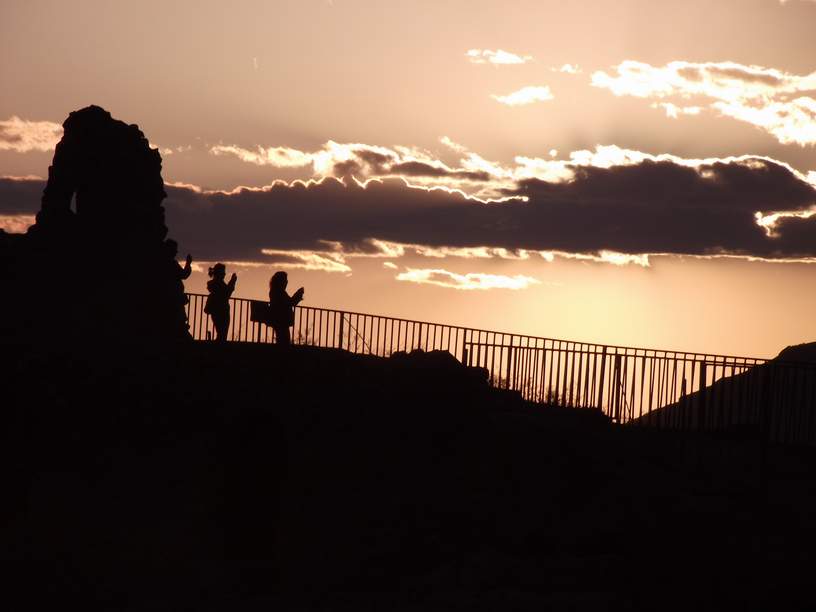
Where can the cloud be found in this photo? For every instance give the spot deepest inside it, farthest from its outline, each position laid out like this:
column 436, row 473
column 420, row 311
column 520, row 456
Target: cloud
column 778, row 102
column 498, row 57
column 474, row 175
column 568, row 69
column 20, row 195
column 673, row 111
column 467, row 282
column 629, row 204
column 454, row 146
column 306, row 260
column 609, row 205
column 16, row 224
column 166, row 151
column 280, row 157
column 525, row 95
column 22, row 136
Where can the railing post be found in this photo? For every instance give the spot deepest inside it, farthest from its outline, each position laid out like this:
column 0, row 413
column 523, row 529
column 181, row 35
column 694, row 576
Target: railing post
column 701, row 395
column 509, row 362
column 617, row 390
column 601, row 382
column 340, row 334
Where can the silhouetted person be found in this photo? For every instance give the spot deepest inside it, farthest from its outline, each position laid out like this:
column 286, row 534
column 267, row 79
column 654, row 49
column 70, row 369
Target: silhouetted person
column 176, row 275
column 183, row 272
column 282, row 307
column 217, row 305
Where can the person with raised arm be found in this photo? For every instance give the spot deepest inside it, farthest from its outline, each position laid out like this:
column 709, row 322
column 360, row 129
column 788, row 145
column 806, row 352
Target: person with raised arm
column 282, row 307
column 217, row 305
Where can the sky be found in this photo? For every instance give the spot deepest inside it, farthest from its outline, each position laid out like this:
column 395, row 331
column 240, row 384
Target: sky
column 634, row 172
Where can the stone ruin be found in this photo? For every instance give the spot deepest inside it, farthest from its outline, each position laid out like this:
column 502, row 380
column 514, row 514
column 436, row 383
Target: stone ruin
column 96, row 265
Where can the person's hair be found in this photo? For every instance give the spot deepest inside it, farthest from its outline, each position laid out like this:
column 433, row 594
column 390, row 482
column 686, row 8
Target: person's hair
column 278, row 279
column 219, row 267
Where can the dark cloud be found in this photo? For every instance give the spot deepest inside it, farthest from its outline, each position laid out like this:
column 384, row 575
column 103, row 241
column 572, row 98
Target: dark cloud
column 416, row 168
column 20, row 196
column 376, row 160
column 649, row 207
column 347, row 168
column 367, row 163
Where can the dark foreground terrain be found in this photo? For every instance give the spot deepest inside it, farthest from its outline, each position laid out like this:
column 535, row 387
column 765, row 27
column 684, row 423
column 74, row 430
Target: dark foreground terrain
column 239, row 477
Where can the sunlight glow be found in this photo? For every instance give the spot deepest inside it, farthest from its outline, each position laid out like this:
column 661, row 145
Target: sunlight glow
column 466, row 282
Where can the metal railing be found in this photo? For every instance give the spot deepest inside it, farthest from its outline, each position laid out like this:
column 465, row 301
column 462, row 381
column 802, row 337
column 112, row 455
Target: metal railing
column 657, row 388
column 325, row 327
column 651, row 387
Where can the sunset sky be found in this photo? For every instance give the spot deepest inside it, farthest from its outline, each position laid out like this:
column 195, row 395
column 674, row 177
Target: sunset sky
column 633, row 172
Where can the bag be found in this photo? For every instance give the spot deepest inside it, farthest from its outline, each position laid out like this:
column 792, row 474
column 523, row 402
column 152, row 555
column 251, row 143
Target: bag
column 259, row 312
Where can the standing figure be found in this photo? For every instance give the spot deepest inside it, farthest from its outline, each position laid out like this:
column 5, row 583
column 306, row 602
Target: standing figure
column 282, row 307
column 175, row 277
column 217, row 305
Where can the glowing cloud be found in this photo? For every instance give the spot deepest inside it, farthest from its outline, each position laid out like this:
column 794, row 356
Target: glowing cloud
column 22, row 136
column 280, row 157
column 475, row 176
column 466, row 282
column 568, row 69
column 165, row 151
column 770, row 221
column 603, row 256
column 16, row 224
column 673, row 111
column 764, row 97
column 525, row 95
column 498, row 57
column 306, row 260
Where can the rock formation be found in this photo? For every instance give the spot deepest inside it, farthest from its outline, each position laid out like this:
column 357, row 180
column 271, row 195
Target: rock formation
column 96, row 266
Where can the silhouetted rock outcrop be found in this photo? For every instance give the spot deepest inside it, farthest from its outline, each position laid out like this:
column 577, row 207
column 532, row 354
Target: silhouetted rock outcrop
column 96, row 265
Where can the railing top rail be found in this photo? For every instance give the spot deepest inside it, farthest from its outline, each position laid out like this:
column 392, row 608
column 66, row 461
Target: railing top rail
column 515, row 335
column 600, row 349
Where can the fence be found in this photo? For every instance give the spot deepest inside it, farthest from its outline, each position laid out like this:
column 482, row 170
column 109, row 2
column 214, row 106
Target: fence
column 658, row 388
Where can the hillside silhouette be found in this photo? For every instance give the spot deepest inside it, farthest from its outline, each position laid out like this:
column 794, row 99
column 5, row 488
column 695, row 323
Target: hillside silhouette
column 771, row 401
column 145, row 471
